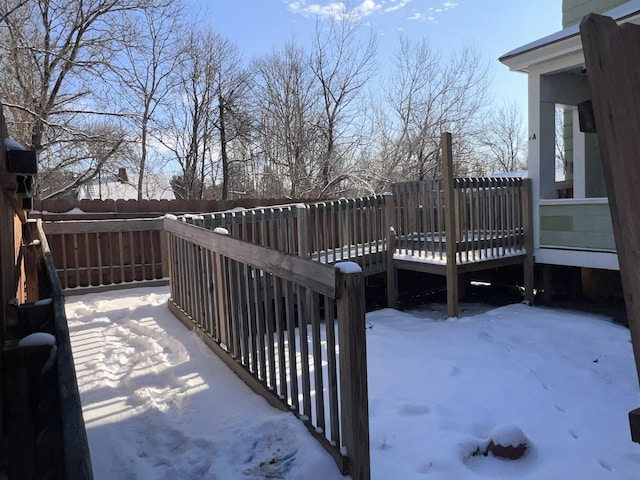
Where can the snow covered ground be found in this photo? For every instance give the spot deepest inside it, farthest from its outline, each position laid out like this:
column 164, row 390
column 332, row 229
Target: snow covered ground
column 159, row 405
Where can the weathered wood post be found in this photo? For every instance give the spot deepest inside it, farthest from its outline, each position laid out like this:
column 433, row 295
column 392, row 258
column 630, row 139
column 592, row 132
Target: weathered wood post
column 354, row 397
column 30, row 262
column 450, row 224
column 391, row 240
column 220, row 267
column 611, row 58
column 8, row 253
column 527, row 226
column 164, row 252
column 304, row 230
column 611, row 55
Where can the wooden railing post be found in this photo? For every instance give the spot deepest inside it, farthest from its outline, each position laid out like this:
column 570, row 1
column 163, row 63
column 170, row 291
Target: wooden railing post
column 450, row 225
column 390, row 243
column 527, row 227
column 164, row 252
column 353, row 368
column 220, row 267
column 304, row 231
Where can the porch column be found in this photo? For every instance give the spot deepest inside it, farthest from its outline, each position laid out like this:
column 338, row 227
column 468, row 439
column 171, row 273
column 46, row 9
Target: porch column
column 541, row 160
column 579, row 155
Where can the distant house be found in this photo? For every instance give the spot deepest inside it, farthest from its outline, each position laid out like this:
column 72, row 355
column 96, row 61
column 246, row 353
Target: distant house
column 572, row 223
column 124, row 186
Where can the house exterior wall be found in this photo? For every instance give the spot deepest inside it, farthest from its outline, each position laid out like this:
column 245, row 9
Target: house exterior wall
column 585, row 226
column 571, row 219
column 574, row 10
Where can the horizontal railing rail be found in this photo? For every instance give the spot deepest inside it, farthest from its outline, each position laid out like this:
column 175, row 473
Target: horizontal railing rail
column 277, row 320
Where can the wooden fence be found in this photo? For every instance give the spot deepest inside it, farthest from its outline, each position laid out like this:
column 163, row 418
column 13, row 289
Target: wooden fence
column 46, row 436
column 277, row 319
column 72, row 435
column 96, row 254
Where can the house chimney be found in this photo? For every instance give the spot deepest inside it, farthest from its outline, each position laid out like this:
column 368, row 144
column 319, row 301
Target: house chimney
column 122, row 175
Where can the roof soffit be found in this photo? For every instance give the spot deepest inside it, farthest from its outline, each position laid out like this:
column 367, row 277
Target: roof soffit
column 563, row 43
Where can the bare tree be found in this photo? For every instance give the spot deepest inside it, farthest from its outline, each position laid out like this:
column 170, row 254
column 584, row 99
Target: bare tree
column 287, row 108
column 427, row 96
column 208, row 125
column 188, row 125
column 54, row 55
column 232, row 121
column 342, row 64
column 505, row 139
column 145, row 71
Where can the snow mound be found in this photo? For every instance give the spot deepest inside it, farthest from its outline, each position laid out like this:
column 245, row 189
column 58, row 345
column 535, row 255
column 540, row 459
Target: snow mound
column 38, row 338
column 348, row 267
column 508, row 436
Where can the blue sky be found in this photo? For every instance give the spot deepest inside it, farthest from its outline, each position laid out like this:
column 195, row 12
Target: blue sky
column 493, row 26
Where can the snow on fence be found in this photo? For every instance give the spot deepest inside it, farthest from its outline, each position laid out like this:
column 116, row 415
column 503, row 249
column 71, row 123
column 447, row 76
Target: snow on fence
column 97, row 254
column 279, row 320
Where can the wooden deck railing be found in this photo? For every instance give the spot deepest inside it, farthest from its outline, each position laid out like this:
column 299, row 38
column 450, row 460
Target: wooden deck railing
column 274, row 227
column 276, row 319
column 348, row 230
column 92, row 255
column 327, row 232
column 77, row 460
column 489, row 218
column 490, row 222
column 46, row 436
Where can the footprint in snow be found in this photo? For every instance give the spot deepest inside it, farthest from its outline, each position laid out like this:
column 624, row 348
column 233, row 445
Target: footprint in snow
column 605, row 465
column 408, row 409
column 272, row 451
column 164, row 452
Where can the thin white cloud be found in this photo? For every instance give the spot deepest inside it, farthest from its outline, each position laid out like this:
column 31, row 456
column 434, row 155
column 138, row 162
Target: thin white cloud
column 339, row 9
column 335, row 10
column 366, row 8
column 431, row 14
column 397, row 5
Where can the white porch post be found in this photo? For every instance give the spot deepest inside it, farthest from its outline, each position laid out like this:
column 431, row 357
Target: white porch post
column 541, row 158
column 579, row 156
